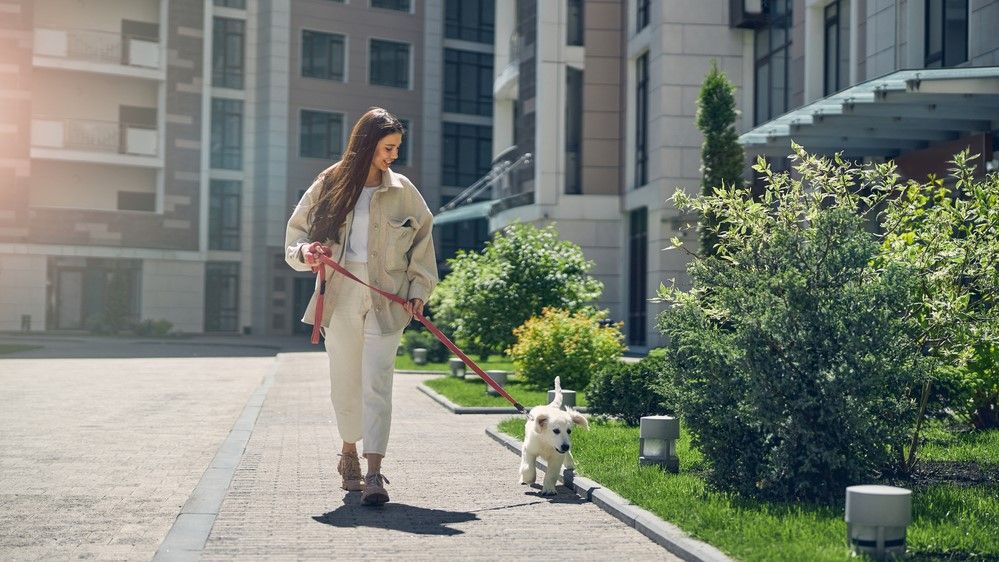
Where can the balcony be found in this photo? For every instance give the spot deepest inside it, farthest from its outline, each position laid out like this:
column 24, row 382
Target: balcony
column 505, row 85
column 105, row 142
column 101, row 52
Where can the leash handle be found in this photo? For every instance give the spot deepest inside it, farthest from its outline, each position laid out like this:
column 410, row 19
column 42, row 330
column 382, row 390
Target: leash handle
column 323, row 259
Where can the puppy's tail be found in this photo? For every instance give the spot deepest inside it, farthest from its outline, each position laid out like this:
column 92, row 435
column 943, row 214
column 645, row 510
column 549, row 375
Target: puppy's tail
column 557, row 402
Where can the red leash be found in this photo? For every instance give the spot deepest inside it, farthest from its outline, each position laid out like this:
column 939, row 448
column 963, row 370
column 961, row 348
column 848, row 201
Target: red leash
column 397, row 299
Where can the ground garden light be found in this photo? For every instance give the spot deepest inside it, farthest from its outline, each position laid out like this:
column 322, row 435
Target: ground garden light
column 657, row 437
column 876, row 518
column 499, row 377
column 420, row 356
column 457, row 367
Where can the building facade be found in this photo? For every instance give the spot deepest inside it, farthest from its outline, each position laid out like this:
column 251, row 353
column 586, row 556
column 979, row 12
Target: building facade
column 603, row 94
column 154, row 149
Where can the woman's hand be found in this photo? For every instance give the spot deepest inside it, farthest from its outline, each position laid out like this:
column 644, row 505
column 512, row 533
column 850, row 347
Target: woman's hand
column 313, row 251
column 414, row 307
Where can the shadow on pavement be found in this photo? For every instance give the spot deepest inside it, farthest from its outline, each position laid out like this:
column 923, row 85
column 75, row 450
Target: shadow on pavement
column 395, row 516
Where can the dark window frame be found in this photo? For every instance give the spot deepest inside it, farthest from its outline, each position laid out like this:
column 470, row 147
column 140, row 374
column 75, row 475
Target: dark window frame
column 468, row 82
column 573, row 131
column 308, row 122
column 940, row 58
column 458, row 24
column 638, row 264
column 641, row 120
column 835, row 76
column 228, row 52
column 775, row 21
column 392, row 5
column 227, row 134
column 576, row 24
column 378, row 75
column 313, row 50
column 224, row 214
column 642, row 15
column 221, row 314
column 456, row 136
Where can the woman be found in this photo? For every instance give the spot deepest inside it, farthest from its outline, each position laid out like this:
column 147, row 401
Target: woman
column 374, row 222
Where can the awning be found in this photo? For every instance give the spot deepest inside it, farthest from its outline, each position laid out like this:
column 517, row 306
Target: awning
column 902, row 111
column 479, row 210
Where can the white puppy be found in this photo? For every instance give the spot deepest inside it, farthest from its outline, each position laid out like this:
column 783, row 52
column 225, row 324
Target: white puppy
column 547, row 435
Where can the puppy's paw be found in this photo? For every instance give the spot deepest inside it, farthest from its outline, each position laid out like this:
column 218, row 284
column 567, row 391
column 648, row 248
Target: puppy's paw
column 546, row 491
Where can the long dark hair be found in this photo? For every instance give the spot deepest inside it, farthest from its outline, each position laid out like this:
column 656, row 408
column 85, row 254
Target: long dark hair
column 343, row 181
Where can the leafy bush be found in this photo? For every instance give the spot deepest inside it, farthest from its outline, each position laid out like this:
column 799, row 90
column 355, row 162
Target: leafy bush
column 796, row 353
column 630, row 391
column 152, row 328
column 521, row 271
column 977, row 398
column 420, row 337
column 565, row 344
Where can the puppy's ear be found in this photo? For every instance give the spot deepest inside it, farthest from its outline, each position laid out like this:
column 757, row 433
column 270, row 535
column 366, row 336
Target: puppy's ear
column 541, row 422
column 579, row 419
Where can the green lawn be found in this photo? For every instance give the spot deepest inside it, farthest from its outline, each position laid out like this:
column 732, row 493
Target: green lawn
column 471, row 391
column 950, row 522
column 941, row 444
column 405, row 363
column 15, row 347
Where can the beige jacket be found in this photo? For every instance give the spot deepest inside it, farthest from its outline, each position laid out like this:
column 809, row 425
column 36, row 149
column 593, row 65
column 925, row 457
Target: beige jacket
column 401, row 257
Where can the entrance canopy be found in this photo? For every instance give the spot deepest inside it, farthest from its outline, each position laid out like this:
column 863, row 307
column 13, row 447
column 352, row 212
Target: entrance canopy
column 479, row 210
column 900, row 112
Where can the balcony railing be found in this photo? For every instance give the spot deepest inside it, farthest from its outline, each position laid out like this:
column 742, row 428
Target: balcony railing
column 97, row 46
column 94, row 136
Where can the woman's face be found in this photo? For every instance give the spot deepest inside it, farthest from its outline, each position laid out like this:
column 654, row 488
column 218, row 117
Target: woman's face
column 387, row 151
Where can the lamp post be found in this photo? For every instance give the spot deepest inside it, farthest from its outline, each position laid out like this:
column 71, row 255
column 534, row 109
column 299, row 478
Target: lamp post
column 499, row 377
column 457, row 367
column 876, row 518
column 568, row 398
column 657, row 437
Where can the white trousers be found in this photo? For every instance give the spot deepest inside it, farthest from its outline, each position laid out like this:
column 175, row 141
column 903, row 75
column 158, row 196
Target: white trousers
column 362, row 363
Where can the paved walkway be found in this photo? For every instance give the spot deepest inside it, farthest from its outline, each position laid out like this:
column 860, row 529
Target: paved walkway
column 97, row 457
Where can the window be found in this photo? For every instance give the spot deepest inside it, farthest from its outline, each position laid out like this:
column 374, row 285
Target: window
column 468, row 153
column 240, row 4
column 641, row 120
column 403, row 159
column 228, row 38
column 468, row 82
column 638, row 242
column 227, row 134
column 321, row 135
column 573, row 130
column 837, row 46
column 470, row 20
column 223, row 215
column 399, row 5
column 389, row 63
column 574, row 32
column 323, row 55
column 470, row 235
column 221, row 296
column 946, row 33
column 772, row 46
column 642, row 19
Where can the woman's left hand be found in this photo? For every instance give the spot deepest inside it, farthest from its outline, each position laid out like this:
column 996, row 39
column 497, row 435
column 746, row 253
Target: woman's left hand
column 414, row 307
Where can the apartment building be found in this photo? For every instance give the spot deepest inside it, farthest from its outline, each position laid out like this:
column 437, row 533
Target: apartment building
column 602, row 94
column 153, row 149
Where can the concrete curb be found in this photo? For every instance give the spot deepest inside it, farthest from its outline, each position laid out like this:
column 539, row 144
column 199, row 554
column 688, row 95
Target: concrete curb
column 456, row 409
column 189, row 533
column 665, row 534
column 414, row 372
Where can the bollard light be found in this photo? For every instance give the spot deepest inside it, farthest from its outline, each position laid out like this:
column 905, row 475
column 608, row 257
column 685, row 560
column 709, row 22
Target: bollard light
column 657, row 437
column 568, row 398
column 457, row 367
column 420, row 356
column 500, row 378
column 876, row 519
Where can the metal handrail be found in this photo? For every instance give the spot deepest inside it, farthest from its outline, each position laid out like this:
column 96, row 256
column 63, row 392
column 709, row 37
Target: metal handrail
column 495, row 173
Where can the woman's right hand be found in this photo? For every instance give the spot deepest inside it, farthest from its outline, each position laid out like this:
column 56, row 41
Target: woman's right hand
column 313, row 251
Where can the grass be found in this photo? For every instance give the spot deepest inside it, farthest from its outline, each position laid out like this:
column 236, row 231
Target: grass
column 950, row 522
column 405, row 363
column 15, row 347
column 943, row 443
column 470, row 391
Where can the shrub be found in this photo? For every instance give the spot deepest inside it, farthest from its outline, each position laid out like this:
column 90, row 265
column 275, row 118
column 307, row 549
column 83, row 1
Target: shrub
column 630, row 391
column 152, row 328
column 565, row 344
column 420, row 337
column 977, row 401
column 796, row 352
column 518, row 273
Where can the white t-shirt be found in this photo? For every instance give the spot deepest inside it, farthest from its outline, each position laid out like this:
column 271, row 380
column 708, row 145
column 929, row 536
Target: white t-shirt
column 357, row 242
